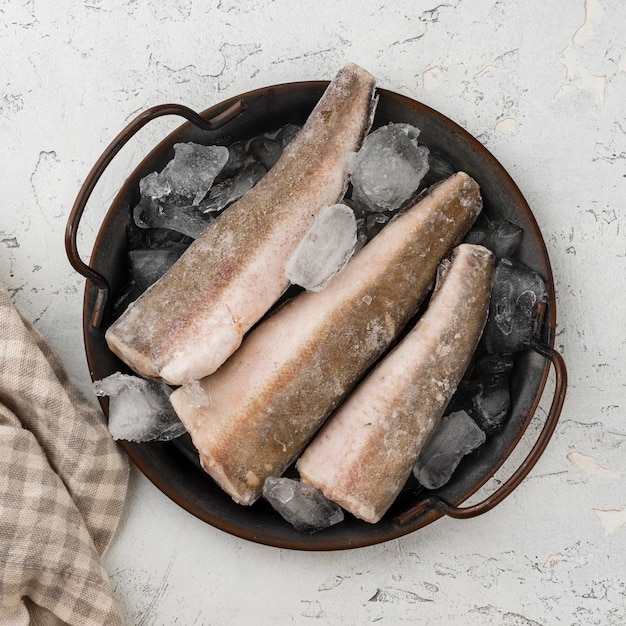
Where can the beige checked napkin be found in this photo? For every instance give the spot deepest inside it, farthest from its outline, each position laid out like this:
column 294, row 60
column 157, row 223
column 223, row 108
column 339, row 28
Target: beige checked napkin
column 62, row 486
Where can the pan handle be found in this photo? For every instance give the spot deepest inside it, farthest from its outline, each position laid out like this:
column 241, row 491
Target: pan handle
column 98, row 169
column 438, row 503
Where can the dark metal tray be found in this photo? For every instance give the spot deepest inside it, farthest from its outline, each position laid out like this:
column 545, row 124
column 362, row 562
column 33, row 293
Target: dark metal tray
column 169, row 466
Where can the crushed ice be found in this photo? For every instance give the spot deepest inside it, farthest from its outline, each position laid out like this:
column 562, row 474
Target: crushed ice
column 201, row 181
column 139, row 409
column 226, row 192
column 514, row 310
column 388, row 168
column 325, row 249
column 484, row 393
column 302, row 505
column 147, row 265
column 265, row 150
column 500, row 236
column 456, row 435
column 193, row 169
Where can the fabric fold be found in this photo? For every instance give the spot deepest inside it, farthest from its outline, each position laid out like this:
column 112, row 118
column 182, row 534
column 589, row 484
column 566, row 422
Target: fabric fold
column 63, row 483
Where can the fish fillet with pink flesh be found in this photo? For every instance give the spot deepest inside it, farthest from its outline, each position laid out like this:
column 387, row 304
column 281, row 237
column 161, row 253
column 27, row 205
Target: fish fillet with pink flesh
column 187, row 324
column 251, row 418
column 364, row 454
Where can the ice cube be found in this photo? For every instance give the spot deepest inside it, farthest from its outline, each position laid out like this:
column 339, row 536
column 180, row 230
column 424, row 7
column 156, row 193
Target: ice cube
column 368, row 223
column 513, row 320
column 500, row 236
column 148, row 265
column 374, row 223
column 156, row 238
column 154, row 186
column 361, row 238
column 139, row 409
column 265, row 150
column 302, row 505
column 388, row 168
column 192, row 170
column 325, row 249
column 168, row 246
column 455, row 436
column 226, row 192
column 491, row 402
column 485, row 393
column 489, row 364
column 238, row 159
column 173, row 213
column 412, row 132
column 169, row 198
column 286, row 133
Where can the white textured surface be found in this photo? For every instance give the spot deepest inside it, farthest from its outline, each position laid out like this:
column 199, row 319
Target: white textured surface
column 543, row 85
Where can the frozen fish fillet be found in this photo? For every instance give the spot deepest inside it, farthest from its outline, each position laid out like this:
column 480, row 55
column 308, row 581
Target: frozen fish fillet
column 187, row 324
column 364, row 454
column 251, row 418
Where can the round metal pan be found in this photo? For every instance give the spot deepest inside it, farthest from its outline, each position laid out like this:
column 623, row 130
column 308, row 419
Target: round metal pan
column 169, row 466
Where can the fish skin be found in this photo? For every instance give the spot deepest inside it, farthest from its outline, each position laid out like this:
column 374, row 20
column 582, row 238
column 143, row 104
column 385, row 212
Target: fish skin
column 188, row 323
column 364, row 454
column 265, row 403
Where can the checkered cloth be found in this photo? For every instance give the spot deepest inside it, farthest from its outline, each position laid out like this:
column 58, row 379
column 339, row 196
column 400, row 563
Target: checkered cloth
column 62, row 486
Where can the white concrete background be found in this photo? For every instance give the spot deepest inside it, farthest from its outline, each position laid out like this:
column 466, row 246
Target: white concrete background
column 543, row 85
